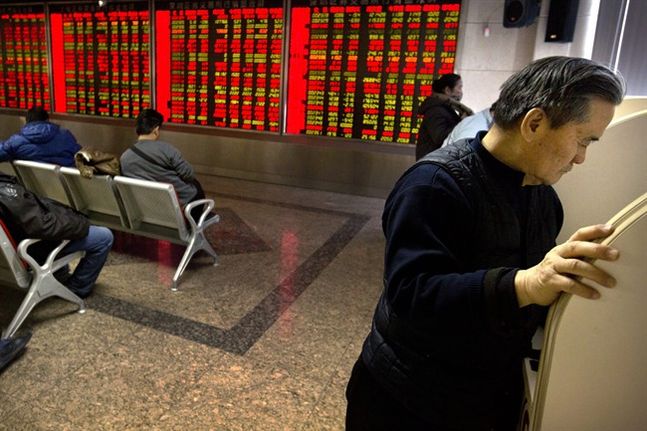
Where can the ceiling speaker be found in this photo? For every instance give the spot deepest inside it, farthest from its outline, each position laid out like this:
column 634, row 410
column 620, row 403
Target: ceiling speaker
column 520, row 13
column 561, row 20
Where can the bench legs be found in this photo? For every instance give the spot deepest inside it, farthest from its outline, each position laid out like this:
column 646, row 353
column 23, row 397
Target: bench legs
column 198, row 242
column 43, row 286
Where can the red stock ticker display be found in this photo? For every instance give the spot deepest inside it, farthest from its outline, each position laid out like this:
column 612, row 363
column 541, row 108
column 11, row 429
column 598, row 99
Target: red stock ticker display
column 361, row 69
column 220, row 64
column 24, row 81
column 100, row 58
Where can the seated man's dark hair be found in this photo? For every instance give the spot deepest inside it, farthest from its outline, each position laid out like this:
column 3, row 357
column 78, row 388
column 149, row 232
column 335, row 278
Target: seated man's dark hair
column 147, row 120
column 448, row 80
column 36, row 113
column 561, row 86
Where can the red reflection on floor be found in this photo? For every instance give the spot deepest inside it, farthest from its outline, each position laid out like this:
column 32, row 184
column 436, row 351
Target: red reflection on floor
column 288, row 264
column 166, row 258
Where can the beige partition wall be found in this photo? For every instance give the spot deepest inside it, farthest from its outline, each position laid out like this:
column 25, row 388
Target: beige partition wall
column 613, row 174
column 630, row 105
column 593, row 370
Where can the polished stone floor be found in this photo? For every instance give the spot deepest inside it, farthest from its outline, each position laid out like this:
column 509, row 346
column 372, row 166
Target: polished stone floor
column 264, row 340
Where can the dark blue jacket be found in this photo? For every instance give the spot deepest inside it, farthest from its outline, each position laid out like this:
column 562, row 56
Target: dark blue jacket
column 448, row 336
column 41, row 141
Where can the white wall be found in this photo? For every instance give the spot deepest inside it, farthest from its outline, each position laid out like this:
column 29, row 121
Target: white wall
column 486, row 62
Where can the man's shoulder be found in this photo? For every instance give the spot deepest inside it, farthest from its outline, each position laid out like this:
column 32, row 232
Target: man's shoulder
column 164, row 144
column 158, row 146
column 425, row 174
column 448, row 164
column 15, row 139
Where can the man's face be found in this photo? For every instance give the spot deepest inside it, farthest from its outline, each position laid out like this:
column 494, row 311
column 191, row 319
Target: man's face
column 455, row 93
column 561, row 148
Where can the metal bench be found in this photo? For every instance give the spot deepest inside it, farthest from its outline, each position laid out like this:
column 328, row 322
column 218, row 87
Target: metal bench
column 153, row 210
column 95, row 197
column 140, row 207
column 42, row 179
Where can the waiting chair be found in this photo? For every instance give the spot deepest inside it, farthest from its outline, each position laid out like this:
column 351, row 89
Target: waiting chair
column 42, row 179
column 154, row 210
column 95, row 197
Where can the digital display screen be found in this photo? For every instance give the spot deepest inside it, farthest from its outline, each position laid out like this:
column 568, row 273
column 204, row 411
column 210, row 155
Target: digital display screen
column 218, row 63
column 360, row 69
column 24, row 80
column 100, row 58
column 356, row 69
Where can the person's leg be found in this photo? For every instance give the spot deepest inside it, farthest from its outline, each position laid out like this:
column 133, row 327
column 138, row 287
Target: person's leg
column 371, row 408
column 97, row 245
column 199, row 191
column 197, row 211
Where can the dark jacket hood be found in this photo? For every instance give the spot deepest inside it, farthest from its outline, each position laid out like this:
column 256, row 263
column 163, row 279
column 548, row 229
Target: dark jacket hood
column 39, row 132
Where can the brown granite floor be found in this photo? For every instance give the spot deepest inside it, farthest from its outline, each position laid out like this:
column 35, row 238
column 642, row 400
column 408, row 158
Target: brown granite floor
column 265, row 340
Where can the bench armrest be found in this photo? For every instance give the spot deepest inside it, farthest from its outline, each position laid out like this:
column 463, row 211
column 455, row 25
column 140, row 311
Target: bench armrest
column 203, row 221
column 50, row 265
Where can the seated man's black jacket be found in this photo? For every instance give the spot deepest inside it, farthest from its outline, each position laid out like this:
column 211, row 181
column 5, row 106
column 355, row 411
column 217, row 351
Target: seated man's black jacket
column 29, row 216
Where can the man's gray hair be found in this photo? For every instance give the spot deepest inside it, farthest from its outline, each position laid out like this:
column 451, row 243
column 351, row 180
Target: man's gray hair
column 561, row 86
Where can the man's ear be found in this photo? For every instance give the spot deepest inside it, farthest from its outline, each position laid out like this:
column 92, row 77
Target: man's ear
column 533, row 124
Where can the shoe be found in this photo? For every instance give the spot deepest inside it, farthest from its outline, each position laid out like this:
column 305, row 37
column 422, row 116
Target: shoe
column 62, row 275
column 80, row 293
column 11, row 348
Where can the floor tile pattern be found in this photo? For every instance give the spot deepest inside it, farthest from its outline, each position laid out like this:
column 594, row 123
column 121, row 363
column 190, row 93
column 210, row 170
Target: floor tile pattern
column 265, row 340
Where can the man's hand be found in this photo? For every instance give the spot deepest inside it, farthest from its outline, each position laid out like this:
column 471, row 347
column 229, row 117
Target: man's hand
column 566, row 268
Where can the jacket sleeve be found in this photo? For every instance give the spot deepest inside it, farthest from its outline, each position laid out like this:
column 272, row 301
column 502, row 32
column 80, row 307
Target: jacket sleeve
column 7, row 150
column 39, row 218
column 183, row 169
column 48, row 219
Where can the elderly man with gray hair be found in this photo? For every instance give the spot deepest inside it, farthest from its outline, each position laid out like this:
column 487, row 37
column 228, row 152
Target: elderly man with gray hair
column 471, row 261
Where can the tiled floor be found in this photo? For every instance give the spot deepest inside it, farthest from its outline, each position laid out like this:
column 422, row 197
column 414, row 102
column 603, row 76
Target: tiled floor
column 265, row 340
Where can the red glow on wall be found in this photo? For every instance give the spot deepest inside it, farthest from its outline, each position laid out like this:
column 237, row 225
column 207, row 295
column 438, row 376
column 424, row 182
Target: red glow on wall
column 299, row 36
column 163, row 63
column 58, row 67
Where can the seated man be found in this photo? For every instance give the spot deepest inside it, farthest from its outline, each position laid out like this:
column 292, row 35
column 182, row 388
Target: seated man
column 155, row 160
column 29, row 216
column 40, row 141
column 11, row 348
